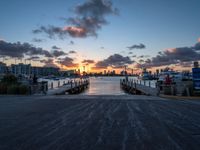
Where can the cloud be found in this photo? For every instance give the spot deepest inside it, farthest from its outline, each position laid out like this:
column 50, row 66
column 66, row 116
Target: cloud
column 49, row 63
column 130, row 53
column 178, row 55
column 19, row 50
column 57, row 53
column 71, row 42
column 52, row 31
column 89, row 18
column 134, row 56
column 143, row 56
column 37, row 40
column 55, row 47
column 140, row 46
column 34, row 58
column 115, row 61
column 88, row 61
column 68, row 62
column 197, row 46
column 72, row 52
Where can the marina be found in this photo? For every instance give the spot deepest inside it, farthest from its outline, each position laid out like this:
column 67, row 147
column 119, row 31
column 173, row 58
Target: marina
column 99, row 75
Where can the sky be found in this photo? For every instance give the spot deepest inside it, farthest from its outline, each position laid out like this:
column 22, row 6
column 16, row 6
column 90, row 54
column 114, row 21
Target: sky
column 101, row 34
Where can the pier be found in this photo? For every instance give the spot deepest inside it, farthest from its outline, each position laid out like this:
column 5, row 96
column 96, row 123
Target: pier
column 72, row 87
column 136, row 87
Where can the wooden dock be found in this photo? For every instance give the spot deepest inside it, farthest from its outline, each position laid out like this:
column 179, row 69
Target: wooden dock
column 72, row 87
column 137, row 88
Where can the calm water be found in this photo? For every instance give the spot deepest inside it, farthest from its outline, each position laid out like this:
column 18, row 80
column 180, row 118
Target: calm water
column 104, row 86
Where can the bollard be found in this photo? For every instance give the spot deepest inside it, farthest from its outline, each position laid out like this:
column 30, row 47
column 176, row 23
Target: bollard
column 51, row 85
column 71, row 84
column 149, row 84
column 58, row 83
column 140, row 82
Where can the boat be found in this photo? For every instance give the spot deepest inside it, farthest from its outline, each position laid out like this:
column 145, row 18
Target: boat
column 175, row 76
column 145, row 75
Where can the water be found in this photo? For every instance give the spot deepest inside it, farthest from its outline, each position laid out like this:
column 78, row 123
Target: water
column 104, row 86
column 100, row 85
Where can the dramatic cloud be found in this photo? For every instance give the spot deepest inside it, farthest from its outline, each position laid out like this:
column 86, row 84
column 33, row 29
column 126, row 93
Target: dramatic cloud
column 88, row 61
column 115, row 61
column 140, row 46
column 68, row 62
column 89, row 18
column 181, row 55
column 19, row 50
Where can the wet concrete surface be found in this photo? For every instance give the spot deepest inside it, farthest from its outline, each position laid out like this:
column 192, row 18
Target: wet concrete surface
column 99, row 123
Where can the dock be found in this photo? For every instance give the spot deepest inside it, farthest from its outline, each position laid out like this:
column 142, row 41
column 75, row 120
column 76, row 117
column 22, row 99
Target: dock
column 72, row 87
column 137, row 88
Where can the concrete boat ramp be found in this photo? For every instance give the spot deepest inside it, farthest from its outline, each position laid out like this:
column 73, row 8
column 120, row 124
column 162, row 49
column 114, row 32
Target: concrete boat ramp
column 74, row 122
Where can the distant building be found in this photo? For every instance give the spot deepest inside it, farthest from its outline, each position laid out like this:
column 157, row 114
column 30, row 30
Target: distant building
column 3, row 68
column 27, row 70
column 21, row 69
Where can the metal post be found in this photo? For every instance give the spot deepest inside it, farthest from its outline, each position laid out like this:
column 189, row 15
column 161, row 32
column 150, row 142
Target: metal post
column 51, row 85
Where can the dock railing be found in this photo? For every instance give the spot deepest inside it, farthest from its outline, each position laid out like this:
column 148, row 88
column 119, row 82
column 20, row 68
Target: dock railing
column 154, row 88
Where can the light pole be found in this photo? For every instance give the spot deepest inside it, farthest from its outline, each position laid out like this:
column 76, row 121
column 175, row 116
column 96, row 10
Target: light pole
column 126, row 75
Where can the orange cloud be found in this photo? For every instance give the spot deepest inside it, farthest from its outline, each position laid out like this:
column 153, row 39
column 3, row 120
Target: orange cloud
column 75, row 31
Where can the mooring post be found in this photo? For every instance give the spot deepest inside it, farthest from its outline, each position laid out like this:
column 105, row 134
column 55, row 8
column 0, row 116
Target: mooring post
column 71, row 84
column 51, row 85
